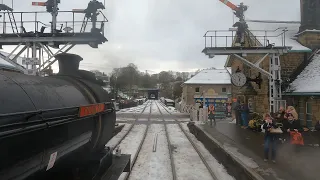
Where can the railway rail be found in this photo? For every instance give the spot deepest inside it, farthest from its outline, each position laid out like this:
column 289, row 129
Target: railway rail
column 141, row 142
column 173, row 169
column 132, row 125
column 191, row 142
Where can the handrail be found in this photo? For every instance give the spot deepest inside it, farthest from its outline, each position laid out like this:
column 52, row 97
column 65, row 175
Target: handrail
column 257, row 38
column 30, row 21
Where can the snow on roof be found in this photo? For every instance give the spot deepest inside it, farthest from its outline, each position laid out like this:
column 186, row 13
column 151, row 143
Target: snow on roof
column 211, row 76
column 309, row 79
column 273, row 32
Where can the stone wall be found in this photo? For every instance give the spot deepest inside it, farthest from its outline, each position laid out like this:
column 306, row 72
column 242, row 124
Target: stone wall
column 300, row 104
column 289, row 62
column 310, row 39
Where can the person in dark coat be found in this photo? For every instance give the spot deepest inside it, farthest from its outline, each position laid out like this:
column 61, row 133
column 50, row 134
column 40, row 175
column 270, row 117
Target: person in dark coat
column 291, row 124
column 279, row 116
column 245, row 114
column 269, row 138
column 237, row 111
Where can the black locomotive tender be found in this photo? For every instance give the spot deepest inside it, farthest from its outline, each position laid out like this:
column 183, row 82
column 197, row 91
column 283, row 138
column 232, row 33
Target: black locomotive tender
column 56, row 127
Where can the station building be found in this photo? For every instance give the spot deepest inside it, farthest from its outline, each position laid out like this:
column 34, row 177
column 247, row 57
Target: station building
column 210, row 86
column 300, row 67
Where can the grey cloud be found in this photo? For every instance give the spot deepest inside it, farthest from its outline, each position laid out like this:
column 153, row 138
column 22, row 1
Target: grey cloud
column 164, row 35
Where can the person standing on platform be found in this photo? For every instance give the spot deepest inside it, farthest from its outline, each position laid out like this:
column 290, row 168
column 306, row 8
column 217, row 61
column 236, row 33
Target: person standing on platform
column 269, row 138
column 292, row 125
column 244, row 115
column 279, row 117
column 237, row 111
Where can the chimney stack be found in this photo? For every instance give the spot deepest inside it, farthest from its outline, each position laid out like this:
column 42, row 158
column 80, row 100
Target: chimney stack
column 68, row 63
column 310, row 13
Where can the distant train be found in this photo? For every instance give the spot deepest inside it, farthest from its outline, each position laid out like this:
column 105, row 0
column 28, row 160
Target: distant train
column 152, row 96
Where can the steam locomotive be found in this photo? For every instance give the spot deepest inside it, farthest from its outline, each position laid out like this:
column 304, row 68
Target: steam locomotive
column 56, row 127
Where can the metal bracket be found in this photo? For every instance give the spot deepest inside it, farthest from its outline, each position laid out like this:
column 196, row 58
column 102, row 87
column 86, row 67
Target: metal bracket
column 254, row 66
column 261, row 60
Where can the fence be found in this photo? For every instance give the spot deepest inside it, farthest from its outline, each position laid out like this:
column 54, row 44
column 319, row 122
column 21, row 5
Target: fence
column 184, row 108
column 202, row 116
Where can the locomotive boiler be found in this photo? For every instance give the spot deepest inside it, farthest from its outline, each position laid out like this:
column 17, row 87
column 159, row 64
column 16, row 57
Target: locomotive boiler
column 56, row 127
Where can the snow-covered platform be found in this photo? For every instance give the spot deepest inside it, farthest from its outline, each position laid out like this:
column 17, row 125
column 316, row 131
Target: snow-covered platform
column 241, row 152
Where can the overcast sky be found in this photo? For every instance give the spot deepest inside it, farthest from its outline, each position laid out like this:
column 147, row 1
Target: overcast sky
column 161, row 35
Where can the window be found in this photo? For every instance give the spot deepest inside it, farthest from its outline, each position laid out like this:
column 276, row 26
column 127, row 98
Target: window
column 309, row 114
column 224, row 90
column 197, row 89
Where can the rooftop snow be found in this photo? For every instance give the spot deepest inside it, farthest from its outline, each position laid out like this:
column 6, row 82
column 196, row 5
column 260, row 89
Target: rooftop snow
column 211, row 76
column 309, row 79
column 273, row 30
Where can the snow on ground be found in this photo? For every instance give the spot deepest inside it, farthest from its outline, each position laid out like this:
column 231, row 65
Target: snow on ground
column 153, row 165
column 125, row 119
column 187, row 162
column 154, row 108
column 217, row 168
column 117, row 137
column 183, row 119
column 131, row 143
column 147, row 110
column 170, row 109
column 137, row 109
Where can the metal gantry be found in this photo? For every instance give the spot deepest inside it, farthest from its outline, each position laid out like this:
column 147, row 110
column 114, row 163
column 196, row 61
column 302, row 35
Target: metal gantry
column 39, row 46
column 257, row 46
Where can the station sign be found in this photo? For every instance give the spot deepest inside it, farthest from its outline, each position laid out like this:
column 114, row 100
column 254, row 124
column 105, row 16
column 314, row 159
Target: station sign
column 30, row 61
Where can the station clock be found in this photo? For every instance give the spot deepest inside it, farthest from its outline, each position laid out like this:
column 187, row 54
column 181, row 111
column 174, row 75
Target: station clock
column 238, row 79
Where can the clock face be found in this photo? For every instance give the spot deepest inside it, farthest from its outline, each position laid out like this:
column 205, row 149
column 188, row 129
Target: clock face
column 238, row 79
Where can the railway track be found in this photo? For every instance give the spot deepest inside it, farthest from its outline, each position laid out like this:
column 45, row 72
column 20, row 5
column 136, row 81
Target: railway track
column 191, row 142
column 133, row 124
column 173, row 168
column 134, row 159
